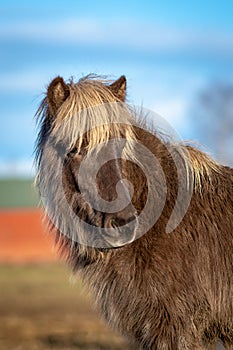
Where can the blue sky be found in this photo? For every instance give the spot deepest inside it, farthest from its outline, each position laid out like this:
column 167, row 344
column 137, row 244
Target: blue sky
column 169, row 51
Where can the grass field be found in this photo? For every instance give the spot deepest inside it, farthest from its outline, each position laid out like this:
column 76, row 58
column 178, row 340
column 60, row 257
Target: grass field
column 40, row 308
column 18, row 193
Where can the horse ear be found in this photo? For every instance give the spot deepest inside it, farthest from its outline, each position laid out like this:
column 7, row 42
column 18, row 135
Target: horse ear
column 57, row 93
column 119, row 88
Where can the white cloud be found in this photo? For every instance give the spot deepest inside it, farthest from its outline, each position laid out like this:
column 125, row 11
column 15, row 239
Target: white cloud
column 17, row 168
column 129, row 34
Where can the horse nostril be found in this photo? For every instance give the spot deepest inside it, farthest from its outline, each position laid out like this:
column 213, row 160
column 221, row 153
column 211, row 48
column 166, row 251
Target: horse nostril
column 120, row 221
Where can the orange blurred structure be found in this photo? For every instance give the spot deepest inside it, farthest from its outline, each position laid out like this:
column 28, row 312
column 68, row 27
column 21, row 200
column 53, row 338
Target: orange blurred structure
column 23, row 237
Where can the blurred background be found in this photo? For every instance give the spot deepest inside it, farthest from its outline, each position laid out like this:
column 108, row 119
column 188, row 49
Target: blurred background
column 178, row 60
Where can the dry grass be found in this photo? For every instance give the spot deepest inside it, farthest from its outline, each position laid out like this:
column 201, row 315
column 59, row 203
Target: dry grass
column 41, row 309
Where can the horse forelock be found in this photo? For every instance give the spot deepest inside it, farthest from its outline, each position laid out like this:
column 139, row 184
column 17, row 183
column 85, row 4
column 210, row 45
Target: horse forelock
column 92, row 109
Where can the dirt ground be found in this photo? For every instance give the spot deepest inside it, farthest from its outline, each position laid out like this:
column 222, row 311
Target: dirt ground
column 42, row 308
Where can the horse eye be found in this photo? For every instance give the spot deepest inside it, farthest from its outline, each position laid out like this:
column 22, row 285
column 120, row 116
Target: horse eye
column 72, row 152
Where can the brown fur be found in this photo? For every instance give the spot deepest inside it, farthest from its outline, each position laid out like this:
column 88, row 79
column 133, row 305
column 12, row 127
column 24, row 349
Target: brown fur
column 163, row 291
